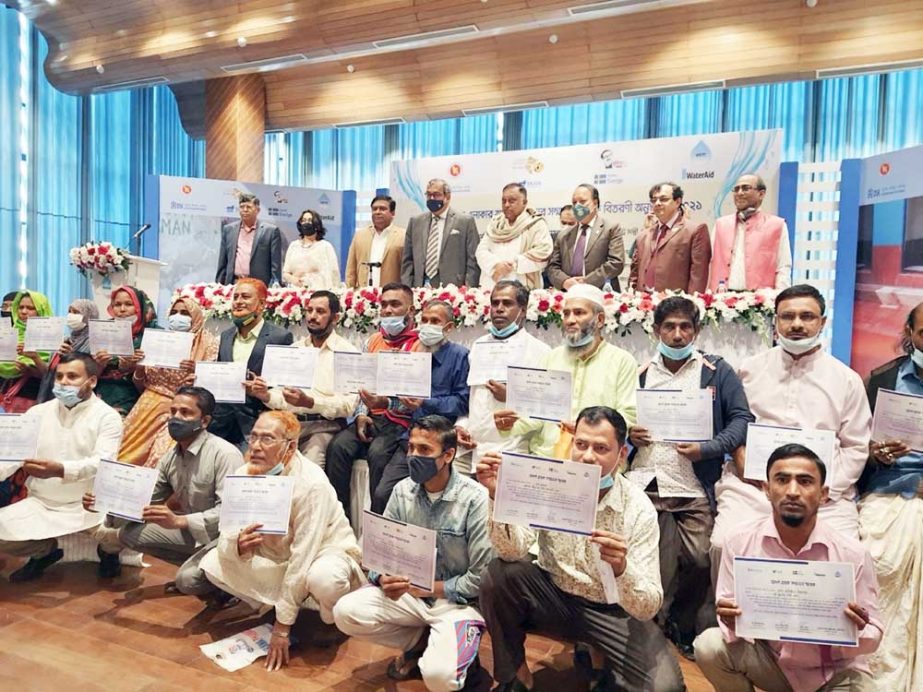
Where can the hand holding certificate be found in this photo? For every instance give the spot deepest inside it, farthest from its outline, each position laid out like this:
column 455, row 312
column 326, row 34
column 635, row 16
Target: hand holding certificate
column 43, row 334
column 112, row 336
column 404, row 373
column 165, row 348
column 224, row 380
column 398, row 549
column 354, row 371
column 674, row 415
column 123, row 490
column 898, row 416
column 489, row 360
column 537, row 393
column 264, row 500
column 18, row 437
column 547, row 493
column 763, row 440
column 9, row 339
column 289, row 366
column 795, row 600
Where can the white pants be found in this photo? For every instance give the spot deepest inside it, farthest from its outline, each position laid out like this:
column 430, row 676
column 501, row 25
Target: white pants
column 454, row 631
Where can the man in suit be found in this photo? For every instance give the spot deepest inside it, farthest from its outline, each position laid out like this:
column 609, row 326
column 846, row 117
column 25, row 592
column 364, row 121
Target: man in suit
column 592, row 250
column 440, row 245
column 246, row 341
column 672, row 253
column 376, row 250
column 250, row 248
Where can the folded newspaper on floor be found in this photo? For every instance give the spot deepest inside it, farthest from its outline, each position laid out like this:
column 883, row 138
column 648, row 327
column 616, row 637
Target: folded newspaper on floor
column 240, row 650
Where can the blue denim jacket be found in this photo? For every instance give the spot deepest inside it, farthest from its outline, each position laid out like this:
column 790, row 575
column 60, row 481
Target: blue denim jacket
column 459, row 517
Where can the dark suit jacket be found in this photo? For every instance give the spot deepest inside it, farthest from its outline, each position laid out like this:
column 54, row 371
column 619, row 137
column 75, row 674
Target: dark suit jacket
column 605, row 254
column 265, row 256
column 681, row 262
column 457, row 262
column 233, row 422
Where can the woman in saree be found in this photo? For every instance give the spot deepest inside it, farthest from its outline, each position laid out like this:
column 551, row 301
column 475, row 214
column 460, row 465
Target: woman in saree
column 146, row 438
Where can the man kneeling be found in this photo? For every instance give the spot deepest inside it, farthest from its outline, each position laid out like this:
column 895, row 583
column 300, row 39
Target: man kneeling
column 394, row 613
column 316, row 562
column 563, row 593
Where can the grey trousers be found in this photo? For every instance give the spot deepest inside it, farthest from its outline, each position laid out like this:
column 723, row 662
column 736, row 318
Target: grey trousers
column 518, row 597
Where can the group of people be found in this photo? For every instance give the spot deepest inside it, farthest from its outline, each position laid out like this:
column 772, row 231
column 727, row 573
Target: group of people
column 750, row 249
column 670, row 518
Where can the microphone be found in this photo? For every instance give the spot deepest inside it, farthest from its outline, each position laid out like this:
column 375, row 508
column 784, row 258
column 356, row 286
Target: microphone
column 140, row 231
column 371, row 266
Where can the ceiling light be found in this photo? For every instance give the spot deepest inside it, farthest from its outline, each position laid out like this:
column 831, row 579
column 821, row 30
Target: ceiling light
column 350, row 68
column 211, row 34
column 100, row 69
column 553, row 39
column 241, row 41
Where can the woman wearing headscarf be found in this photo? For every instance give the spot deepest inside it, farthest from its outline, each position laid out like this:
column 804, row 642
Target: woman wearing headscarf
column 116, row 386
column 20, row 379
column 79, row 313
column 146, row 437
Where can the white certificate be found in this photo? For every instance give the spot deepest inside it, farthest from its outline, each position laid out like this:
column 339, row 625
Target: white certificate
column 354, row 371
column 165, row 348
column 898, row 417
column 399, row 549
column 9, row 339
column 763, row 440
column 289, row 366
column 547, row 493
column 44, row 334
column 18, row 437
column 795, row 600
column 675, row 415
column 224, row 380
column 489, row 360
column 405, row 373
column 112, row 336
column 123, row 490
column 537, row 393
column 265, row 500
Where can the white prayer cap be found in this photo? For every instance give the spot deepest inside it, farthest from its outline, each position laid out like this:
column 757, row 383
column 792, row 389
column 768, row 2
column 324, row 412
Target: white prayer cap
column 587, row 292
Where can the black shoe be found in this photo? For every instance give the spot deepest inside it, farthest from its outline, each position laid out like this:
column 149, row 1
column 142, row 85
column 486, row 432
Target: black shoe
column 475, row 676
column 682, row 642
column 34, row 568
column 515, row 686
column 109, row 565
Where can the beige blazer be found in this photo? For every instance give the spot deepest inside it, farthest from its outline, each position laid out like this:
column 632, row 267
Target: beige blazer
column 357, row 273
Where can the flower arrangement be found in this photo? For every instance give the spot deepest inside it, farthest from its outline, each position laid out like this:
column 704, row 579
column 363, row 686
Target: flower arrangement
column 103, row 258
column 625, row 311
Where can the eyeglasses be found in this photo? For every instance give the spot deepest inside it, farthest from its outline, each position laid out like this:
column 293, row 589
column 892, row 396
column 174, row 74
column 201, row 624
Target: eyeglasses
column 787, row 317
column 744, row 188
column 662, row 200
column 263, row 440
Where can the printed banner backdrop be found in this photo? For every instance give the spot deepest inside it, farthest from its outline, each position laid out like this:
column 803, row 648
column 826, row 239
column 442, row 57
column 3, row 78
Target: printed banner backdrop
column 705, row 166
column 192, row 211
column 889, row 267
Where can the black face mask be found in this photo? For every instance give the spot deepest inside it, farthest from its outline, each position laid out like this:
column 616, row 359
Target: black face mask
column 180, row 429
column 306, row 229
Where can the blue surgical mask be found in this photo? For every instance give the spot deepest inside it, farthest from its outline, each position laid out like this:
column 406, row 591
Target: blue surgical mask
column 422, row 469
column 67, row 394
column 434, row 205
column 606, row 481
column 392, row 326
column 675, row 353
column 581, row 211
column 504, row 333
column 276, row 470
column 179, row 322
column 917, row 357
column 431, row 334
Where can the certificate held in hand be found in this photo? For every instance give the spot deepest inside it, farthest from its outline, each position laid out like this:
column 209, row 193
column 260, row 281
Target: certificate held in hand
column 405, row 373
column 538, row 393
column 265, row 500
column 763, row 440
column 676, row 415
column 490, row 359
column 289, row 366
column 547, row 493
column 43, row 334
column 399, row 549
column 898, row 416
column 224, row 380
column 123, row 490
column 18, row 437
column 9, row 339
column 354, row 371
column 112, row 336
column 166, row 348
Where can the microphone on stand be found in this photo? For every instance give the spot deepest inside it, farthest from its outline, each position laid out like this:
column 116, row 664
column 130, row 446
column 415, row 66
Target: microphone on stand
column 136, row 238
column 371, row 265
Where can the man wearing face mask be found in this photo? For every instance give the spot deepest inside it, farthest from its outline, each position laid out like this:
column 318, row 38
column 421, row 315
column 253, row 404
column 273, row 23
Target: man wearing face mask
column 313, row 565
column 440, row 245
column 191, row 477
column 751, row 248
column 592, row 251
column 679, row 478
column 321, row 411
column 603, row 374
column 798, row 385
column 508, row 303
column 439, row 631
column 246, row 342
column 562, row 592
column 76, row 430
column 890, row 517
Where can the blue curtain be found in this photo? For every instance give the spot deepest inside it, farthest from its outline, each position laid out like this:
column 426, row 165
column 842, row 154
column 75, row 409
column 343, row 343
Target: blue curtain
column 585, row 123
column 9, row 150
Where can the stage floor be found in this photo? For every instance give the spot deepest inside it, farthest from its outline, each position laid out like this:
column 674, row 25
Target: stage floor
column 70, row 631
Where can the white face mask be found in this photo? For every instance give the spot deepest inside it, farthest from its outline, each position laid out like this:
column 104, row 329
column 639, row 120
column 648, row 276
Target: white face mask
column 125, row 318
column 799, row 346
column 74, row 321
column 917, row 357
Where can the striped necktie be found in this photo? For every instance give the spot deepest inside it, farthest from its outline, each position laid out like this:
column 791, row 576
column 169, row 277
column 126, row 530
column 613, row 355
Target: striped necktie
column 432, row 249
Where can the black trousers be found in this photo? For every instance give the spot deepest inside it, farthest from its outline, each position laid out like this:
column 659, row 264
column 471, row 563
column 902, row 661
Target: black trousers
column 386, row 455
column 519, row 597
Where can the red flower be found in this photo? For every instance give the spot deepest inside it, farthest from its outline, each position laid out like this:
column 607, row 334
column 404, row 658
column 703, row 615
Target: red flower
column 91, row 250
column 758, row 299
column 731, row 301
column 360, row 308
column 543, row 305
column 646, row 304
column 558, row 297
column 623, row 308
column 708, row 299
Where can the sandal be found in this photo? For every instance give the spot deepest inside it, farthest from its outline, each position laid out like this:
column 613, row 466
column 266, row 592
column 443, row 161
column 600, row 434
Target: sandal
column 405, row 666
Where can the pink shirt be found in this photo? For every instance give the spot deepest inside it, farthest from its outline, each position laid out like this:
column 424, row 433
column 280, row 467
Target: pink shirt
column 802, row 663
column 244, row 246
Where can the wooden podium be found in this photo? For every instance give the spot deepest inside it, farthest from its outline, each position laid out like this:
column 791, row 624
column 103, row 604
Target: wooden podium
column 143, row 273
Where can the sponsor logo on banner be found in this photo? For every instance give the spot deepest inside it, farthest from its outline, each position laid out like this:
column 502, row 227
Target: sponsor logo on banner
column 186, row 189
column 607, row 156
column 455, row 170
column 700, row 152
column 607, row 178
column 187, row 206
column 279, row 197
column 324, row 200
column 884, row 168
column 533, row 165
column 697, row 175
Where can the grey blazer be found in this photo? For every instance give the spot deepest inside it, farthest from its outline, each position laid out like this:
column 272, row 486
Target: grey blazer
column 604, row 259
column 457, row 262
column 265, row 257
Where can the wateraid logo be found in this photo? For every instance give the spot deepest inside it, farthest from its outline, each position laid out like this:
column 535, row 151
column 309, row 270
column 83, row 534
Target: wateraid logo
column 324, row 200
column 697, row 175
column 700, row 152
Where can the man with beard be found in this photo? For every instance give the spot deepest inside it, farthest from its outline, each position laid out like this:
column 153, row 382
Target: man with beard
column 321, row 411
column 794, row 531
